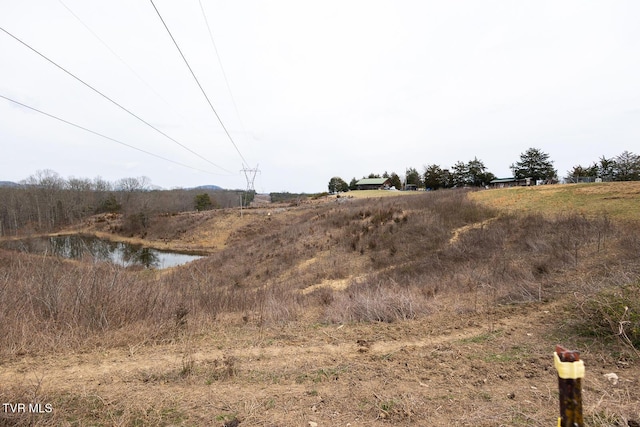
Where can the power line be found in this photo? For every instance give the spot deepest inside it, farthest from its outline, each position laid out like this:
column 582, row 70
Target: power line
column 249, row 173
column 101, row 135
column 244, row 162
column 111, row 100
column 224, row 74
column 107, row 46
column 121, row 59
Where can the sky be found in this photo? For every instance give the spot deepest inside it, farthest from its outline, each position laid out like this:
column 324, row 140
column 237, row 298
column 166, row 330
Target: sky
column 304, row 91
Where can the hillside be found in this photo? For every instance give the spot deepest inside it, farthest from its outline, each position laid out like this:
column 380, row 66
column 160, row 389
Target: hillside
column 617, row 200
column 438, row 308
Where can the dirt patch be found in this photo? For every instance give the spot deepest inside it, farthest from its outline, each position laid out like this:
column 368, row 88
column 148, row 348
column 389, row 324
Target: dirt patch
column 336, row 285
column 440, row 371
column 478, row 225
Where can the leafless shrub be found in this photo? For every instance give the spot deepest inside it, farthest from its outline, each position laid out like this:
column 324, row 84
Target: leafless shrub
column 628, row 244
column 278, row 305
column 53, row 304
column 363, row 302
column 323, row 296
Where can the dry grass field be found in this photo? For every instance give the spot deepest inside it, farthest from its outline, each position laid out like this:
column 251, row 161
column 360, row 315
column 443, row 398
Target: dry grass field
column 619, row 200
column 432, row 308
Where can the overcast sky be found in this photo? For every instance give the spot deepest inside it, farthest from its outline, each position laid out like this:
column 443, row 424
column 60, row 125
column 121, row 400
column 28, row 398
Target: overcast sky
column 321, row 88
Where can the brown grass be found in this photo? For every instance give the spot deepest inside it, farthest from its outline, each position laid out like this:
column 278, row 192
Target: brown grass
column 428, row 310
column 617, row 200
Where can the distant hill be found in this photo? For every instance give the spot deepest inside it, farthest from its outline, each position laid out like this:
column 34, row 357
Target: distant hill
column 208, row 187
column 8, row 184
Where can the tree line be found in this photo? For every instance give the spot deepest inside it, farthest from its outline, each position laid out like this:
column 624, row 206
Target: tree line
column 533, row 163
column 45, row 201
column 624, row 167
column 433, row 177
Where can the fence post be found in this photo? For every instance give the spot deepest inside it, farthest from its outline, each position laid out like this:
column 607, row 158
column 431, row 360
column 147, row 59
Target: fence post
column 570, row 373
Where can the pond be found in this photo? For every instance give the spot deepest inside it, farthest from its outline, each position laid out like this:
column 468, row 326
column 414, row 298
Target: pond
column 81, row 247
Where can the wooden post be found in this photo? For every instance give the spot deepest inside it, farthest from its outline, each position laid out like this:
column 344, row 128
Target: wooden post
column 570, row 373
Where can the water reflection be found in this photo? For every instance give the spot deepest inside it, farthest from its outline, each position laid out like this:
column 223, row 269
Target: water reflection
column 86, row 247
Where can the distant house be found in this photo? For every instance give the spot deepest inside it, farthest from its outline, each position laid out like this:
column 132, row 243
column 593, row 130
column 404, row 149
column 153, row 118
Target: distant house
column 510, row 182
column 373, row 184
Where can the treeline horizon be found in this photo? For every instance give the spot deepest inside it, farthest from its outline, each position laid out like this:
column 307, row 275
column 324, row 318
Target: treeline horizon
column 533, row 163
column 46, row 202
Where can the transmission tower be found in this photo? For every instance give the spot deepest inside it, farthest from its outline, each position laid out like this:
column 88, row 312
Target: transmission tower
column 250, row 175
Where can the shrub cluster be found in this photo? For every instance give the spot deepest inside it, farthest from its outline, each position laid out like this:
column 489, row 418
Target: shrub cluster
column 612, row 312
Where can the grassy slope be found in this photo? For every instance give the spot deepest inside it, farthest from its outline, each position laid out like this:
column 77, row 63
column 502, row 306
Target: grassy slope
column 619, row 200
column 465, row 360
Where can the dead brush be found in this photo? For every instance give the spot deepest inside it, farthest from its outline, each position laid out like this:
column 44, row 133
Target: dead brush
column 405, row 408
column 278, row 305
column 41, row 406
column 213, row 370
column 379, row 302
column 612, row 313
column 55, row 305
column 323, row 296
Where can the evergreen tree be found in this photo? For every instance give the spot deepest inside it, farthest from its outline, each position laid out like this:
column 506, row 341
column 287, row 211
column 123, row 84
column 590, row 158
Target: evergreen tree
column 203, row 202
column 581, row 173
column 627, row 167
column 395, row 181
column 606, row 169
column 434, row 177
column 534, row 164
column 337, row 184
column 352, row 184
column 477, row 174
column 413, row 178
column 460, row 174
